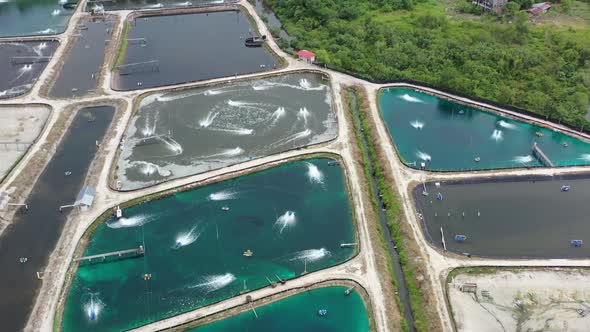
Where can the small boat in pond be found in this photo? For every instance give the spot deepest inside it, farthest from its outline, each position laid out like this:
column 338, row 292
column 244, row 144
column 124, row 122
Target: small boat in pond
column 255, row 41
column 70, row 5
column 565, row 188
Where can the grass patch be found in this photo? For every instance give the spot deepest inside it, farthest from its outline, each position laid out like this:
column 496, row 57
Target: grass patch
column 123, row 45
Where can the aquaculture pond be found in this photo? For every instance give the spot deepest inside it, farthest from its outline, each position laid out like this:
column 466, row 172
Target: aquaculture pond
column 26, row 244
column 301, row 312
column 149, row 61
column 152, row 4
column 82, row 66
column 212, row 243
column 34, row 17
column 21, row 64
column 448, row 136
column 175, row 134
column 530, row 217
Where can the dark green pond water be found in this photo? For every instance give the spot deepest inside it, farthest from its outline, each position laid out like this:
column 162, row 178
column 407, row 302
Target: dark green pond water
column 33, row 17
column 513, row 217
column 288, row 215
column 300, row 313
column 448, row 136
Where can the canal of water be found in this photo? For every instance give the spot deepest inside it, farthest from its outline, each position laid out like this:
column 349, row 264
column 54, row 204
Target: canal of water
column 34, row 233
column 300, row 312
column 292, row 218
column 449, row 136
column 176, row 134
column 212, row 46
column 22, row 63
column 81, row 69
column 34, row 17
column 511, row 218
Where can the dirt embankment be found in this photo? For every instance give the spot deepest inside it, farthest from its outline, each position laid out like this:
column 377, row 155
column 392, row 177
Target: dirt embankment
column 379, row 251
column 415, row 258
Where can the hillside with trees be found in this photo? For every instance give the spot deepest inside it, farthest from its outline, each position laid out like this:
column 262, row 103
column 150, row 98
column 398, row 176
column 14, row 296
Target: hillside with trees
column 503, row 58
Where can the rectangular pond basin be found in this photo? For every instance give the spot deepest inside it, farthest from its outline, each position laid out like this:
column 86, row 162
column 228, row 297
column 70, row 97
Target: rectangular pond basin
column 109, row 5
column 19, row 128
column 448, row 136
column 34, row 17
column 25, row 246
column 83, row 64
column 212, row 46
column 212, row 243
column 324, row 309
column 509, row 218
column 176, row 134
column 21, row 63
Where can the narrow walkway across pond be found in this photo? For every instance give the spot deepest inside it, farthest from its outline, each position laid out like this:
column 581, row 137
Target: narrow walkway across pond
column 397, row 267
column 34, row 233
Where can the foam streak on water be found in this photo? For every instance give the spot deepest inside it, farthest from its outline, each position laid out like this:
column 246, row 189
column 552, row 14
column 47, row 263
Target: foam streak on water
column 147, row 169
column 235, row 131
column 135, row 221
column 208, row 120
column 417, row 124
column 93, row 307
column 303, row 85
column 497, row 135
column 55, row 12
column 411, row 99
column 314, row 174
column 183, row 239
column 506, row 125
column 310, row 255
column 222, row 195
column 227, row 153
column 276, row 115
column 523, row 159
column 288, row 219
column 172, row 145
column 423, row 155
column 176, row 96
column 303, row 115
column 215, row 282
column 585, row 157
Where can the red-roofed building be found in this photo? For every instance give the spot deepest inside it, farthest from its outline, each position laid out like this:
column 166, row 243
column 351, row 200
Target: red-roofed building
column 539, row 8
column 306, row 55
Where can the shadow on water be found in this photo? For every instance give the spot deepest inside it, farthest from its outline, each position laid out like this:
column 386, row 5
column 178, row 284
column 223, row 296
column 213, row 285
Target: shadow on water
column 33, row 234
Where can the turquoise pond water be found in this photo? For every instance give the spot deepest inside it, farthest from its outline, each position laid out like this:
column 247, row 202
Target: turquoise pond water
column 33, row 17
column 300, row 313
column 448, row 136
column 292, row 217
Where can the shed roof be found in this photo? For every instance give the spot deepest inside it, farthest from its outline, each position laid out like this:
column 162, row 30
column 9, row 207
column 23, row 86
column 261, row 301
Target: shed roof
column 306, row 54
column 86, row 196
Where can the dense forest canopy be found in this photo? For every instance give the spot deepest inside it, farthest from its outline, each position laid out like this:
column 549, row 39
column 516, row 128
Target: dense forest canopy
column 544, row 69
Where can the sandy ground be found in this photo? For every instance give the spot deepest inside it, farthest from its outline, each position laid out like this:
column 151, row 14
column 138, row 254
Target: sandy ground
column 19, row 125
column 522, row 300
column 363, row 269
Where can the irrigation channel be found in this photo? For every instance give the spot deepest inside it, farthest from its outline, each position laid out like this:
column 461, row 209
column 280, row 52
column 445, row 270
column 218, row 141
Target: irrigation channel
column 396, row 264
column 512, row 217
column 26, row 244
column 449, row 136
column 34, row 17
column 82, row 65
column 324, row 309
column 212, row 243
column 190, row 131
column 219, row 53
column 23, row 63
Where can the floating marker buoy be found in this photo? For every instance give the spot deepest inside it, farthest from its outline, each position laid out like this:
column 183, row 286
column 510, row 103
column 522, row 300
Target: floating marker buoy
column 565, row 188
column 439, row 196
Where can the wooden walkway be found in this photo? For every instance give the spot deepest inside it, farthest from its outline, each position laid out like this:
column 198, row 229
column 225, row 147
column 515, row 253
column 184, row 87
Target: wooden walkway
column 137, row 251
